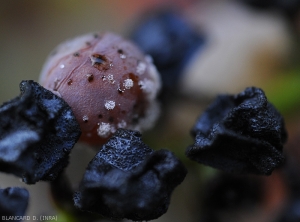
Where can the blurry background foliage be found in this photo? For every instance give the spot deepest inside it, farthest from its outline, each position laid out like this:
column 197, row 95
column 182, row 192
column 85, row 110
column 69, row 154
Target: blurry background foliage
column 245, row 46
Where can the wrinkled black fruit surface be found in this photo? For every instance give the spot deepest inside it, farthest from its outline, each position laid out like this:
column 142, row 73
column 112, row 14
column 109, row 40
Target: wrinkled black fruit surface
column 37, row 132
column 13, row 202
column 127, row 179
column 240, row 134
column 170, row 41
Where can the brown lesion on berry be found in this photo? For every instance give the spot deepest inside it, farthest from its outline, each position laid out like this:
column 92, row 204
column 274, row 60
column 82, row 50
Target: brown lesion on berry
column 90, row 77
column 100, row 61
column 69, row 82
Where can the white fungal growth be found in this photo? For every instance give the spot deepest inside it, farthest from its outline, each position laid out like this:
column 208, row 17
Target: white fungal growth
column 85, row 118
column 128, row 83
column 149, row 59
column 104, row 130
column 148, row 87
column 110, row 104
column 147, row 121
column 110, row 78
column 141, row 68
column 154, row 76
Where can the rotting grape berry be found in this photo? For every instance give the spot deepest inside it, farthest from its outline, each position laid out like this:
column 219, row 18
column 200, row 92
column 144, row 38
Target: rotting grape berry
column 108, row 82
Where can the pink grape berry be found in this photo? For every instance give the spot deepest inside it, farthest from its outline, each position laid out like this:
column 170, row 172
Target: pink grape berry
column 107, row 81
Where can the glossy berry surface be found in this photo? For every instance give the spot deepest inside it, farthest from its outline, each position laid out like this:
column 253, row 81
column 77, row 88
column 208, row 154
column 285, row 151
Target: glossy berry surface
column 108, row 82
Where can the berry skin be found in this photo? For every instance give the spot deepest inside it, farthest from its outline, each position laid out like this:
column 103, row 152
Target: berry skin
column 107, row 81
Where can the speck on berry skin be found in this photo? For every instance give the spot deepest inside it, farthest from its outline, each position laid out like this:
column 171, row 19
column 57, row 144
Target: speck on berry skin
column 109, row 77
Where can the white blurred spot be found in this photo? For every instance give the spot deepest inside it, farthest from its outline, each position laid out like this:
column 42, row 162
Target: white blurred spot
column 104, row 130
column 122, row 56
column 85, row 118
column 141, row 68
column 128, row 83
column 109, row 104
column 110, row 78
column 122, row 124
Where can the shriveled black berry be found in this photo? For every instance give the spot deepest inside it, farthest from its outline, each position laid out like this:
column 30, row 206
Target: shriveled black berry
column 240, row 134
column 170, row 41
column 13, row 202
column 127, row 179
column 37, row 132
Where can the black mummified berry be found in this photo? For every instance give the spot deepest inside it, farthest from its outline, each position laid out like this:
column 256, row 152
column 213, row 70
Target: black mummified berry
column 13, row 202
column 240, row 134
column 170, row 41
column 127, row 179
column 37, row 132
